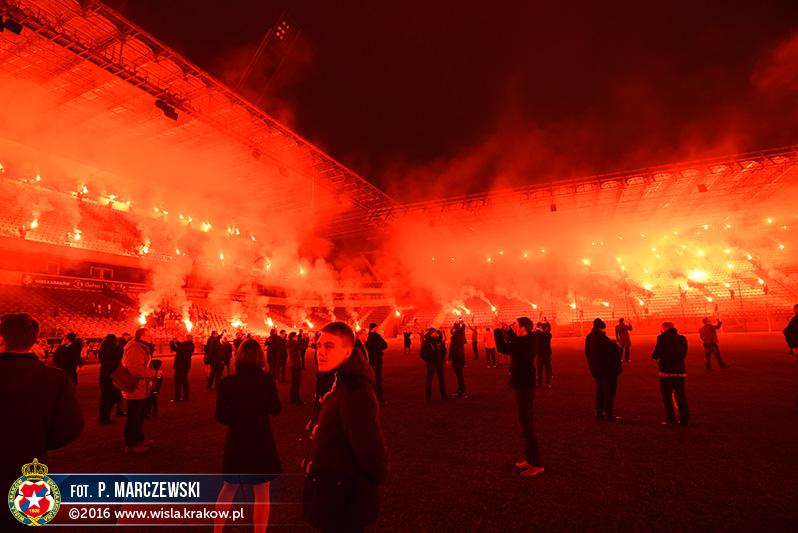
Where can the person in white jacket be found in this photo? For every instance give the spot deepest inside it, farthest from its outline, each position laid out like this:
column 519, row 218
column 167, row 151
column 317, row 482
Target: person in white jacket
column 136, row 358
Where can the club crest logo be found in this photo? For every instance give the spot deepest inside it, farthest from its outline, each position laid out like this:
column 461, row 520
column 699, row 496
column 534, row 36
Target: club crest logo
column 34, row 498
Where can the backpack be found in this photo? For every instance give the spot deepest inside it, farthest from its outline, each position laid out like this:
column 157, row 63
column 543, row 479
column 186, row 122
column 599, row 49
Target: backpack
column 124, row 380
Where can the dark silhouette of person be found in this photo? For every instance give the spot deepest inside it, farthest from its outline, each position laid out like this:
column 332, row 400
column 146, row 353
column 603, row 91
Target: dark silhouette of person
column 215, row 359
column 709, row 336
column 375, row 347
column 37, row 400
column 623, row 338
column 604, row 360
column 182, row 366
column 670, row 352
column 294, row 347
column 544, row 353
column 521, row 343
column 433, row 353
column 791, row 332
column 457, row 343
column 110, row 355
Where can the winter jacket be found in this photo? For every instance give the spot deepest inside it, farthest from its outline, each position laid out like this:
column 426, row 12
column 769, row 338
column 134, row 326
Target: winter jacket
column 522, row 352
column 375, row 346
column 136, row 359
column 603, row 355
column 670, row 351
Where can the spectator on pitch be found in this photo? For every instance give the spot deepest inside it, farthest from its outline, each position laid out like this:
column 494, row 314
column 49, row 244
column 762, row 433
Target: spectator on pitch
column 281, row 357
column 182, row 365
column 136, row 358
column 227, row 353
column 110, row 355
column 474, row 341
column 521, row 344
column 304, row 342
column 709, row 336
column 347, row 459
column 457, row 357
column 67, row 356
column 214, row 358
column 489, row 342
column 604, row 360
column 271, row 351
column 294, row 348
column 543, row 335
column 623, row 338
column 791, row 332
column 246, row 400
column 669, row 352
column 36, row 399
column 239, row 338
column 407, row 337
column 376, row 346
column 433, row 352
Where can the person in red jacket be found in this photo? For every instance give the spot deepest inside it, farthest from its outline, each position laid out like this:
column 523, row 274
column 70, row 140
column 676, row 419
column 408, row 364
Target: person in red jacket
column 348, row 459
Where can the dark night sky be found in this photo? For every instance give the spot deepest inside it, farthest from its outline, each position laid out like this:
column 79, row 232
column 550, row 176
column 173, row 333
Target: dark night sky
column 401, row 91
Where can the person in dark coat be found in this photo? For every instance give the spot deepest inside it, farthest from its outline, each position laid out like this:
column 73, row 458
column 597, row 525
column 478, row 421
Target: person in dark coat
column 623, row 338
column 604, row 359
column 280, row 356
column 348, row 459
column 376, row 346
column 521, row 344
column 294, row 348
column 669, row 352
column 433, row 352
column 791, row 332
column 407, row 340
column 110, row 355
column 215, row 359
column 271, row 350
column 543, row 334
column 457, row 357
column 67, row 356
column 709, row 336
column 246, row 400
column 304, row 342
column 227, row 353
column 36, row 400
column 182, row 365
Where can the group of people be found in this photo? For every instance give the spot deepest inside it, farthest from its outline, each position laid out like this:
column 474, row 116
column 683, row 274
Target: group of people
column 347, row 458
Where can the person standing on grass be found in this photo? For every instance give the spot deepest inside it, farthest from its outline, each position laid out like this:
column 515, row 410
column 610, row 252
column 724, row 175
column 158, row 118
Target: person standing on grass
column 791, row 332
column 136, row 358
column 294, row 346
column 347, row 460
column 709, row 336
column 376, row 346
column 110, row 355
column 490, row 348
column 457, row 343
column 604, row 360
column 406, row 337
column 543, row 334
column 623, row 339
column 433, row 352
column 246, row 400
column 182, row 365
column 670, row 352
column 520, row 343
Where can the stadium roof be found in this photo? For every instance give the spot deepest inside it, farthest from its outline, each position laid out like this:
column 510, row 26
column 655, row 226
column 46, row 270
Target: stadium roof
column 688, row 191
column 84, row 52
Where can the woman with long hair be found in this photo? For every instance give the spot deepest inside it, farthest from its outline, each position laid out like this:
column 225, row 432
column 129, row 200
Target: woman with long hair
column 246, row 400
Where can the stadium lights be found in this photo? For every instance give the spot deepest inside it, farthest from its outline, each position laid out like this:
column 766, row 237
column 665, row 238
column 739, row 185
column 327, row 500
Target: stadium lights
column 11, row 25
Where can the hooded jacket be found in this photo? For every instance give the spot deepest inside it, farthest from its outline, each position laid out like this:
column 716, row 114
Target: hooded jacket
column 376, row 346
column 433, row 350
column 670, row 351
column 347, row 443
column 603, row 355
column 136, row 359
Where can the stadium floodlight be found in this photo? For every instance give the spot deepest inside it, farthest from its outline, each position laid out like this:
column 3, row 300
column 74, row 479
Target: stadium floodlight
column 11, row 25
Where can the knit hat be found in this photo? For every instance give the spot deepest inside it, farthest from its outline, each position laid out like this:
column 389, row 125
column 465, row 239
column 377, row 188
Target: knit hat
column 599, row 324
